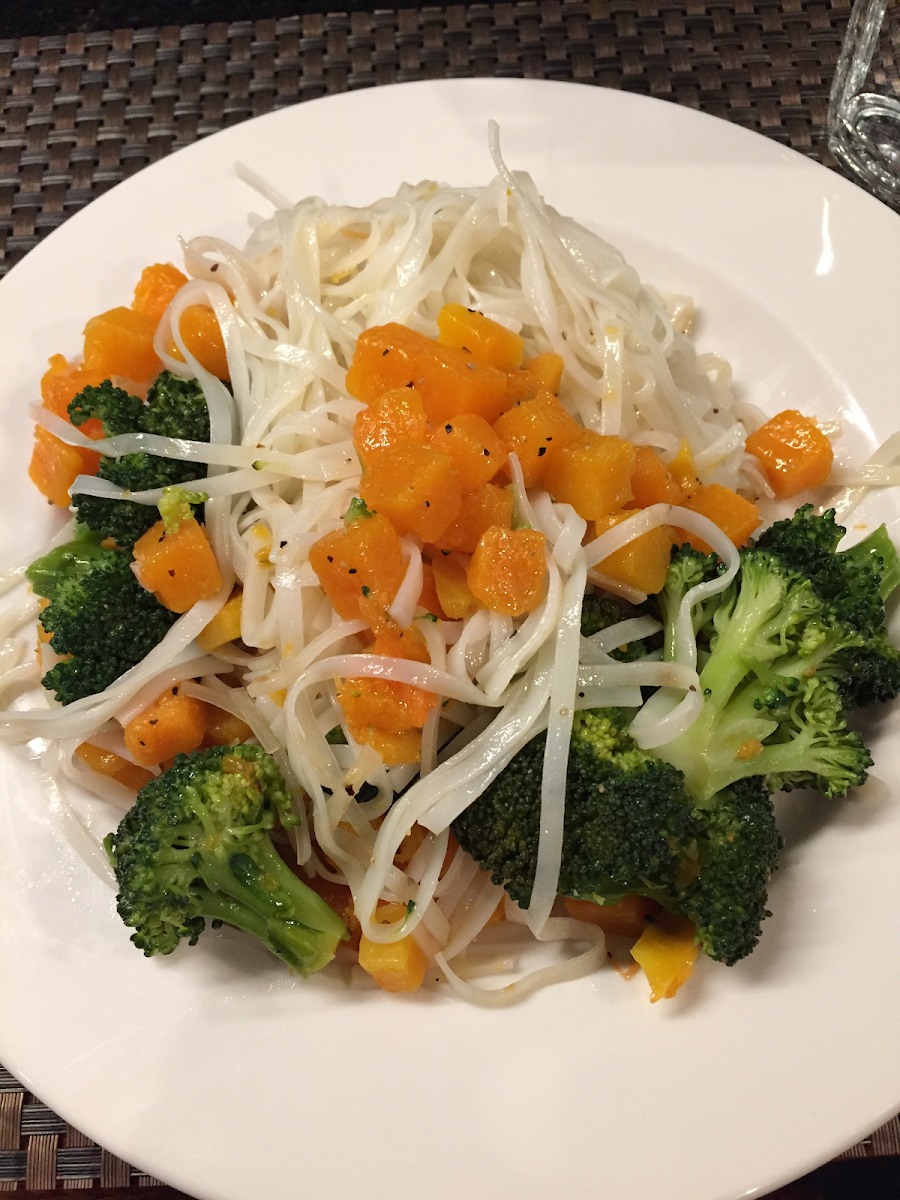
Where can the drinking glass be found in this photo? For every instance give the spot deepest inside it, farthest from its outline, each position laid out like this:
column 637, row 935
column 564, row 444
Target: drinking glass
column 864, row 111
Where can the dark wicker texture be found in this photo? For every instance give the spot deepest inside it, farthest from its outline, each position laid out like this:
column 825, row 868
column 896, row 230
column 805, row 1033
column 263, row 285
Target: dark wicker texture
column 80, row 112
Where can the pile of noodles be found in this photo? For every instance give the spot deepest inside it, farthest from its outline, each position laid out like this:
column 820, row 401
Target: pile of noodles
column 280, row 471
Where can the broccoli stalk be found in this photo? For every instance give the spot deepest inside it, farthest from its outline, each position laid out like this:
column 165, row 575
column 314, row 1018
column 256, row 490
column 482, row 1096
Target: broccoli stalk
column 98, row 614
column 174, row 408
column 196, row 846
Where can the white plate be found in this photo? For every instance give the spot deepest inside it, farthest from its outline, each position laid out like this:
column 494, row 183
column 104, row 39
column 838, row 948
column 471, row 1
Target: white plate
column 216, row 1070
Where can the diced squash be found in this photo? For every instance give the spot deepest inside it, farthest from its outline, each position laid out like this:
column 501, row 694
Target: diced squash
column 593, row 474
column 200, row 331
column 107, row 762
column 395, row 966
column 62, row 383
column 735, row 516
column 360, row 568
column 626, row 918
column 156, row 289
column 651, row 481
column 428, row 597
column 180, row 568
column 383, row 705
column 489, row 343
column 478, row 512
column 397, row 416
column 508, row 569
column 225, row 625
column 683, row 471
column 120, row 342
column 794, row 452
column 644, row 562
column 453, row 589
column 536, row 376
column 534, row 432
column 172, row 724
column 416, row 487
column 224, row 728
column 477, row 451
column 447, row 379
column 55, row 465
column 396, row 748
column 667, row 952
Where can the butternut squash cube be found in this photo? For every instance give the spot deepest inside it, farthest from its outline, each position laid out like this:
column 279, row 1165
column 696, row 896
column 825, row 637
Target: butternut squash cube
column 651, row 481
column 107, row 762
column 55, row 465
column 735, row 516
column 593, row 474
column 683, row 470
column 535, row 431
column 488, row 343
column 201, row 333
column 667, row 952
column 180, row 568
column 449, row 381
column 120, row 342
column 508, row 569
column 416, row 487
column 157, row 288
column 395, row 966
column 453, row 589
column 395, row 417
column 477, row 451
column 360, row 568
column 478, row 512
column 171, row 724
column 62, row 383
column 644, row 562
column 225, row 625
column 794, row 452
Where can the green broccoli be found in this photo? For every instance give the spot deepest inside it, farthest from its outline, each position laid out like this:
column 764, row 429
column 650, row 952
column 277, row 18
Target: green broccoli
column 600, row 612
column 630, row 828
column 175, row 408
column 795, row 637
column 196, row 846
column 98, row 613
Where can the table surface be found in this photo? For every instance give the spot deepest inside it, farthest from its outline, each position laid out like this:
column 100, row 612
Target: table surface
column 83, row 107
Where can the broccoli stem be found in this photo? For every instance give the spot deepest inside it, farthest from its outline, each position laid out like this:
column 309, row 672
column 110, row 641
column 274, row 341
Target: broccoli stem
column 267, row 899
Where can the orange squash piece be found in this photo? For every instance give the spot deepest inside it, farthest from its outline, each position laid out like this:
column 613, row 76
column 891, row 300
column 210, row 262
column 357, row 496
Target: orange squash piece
column 395, row 966
column 428, row 597
column 120, row 342
column 478, row 512
column 452, row 587
column 489, row 343
column 157, row 288
column 199, row 328
column 536, row 376
column 416, row 487
column 225, row 625
column 683, row 471
column 535, row 431
column 172, row 724
column 666, row 951
column 794, row 452
column 360, row 568
column 477, row 451
column 180, row 568
column 107, row 762
column 395, row 417
column 644, row 562
column 396, row 748
column 626, row 918
column 651, row 481
column 593, row 474
column 55, row 465
column 224, row 728
column 447, row 379
column 508, row 569
column 735, row 516
column 384, row 705
column 62, row 383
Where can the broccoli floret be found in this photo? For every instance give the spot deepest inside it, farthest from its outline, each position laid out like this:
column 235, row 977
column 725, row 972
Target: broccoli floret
column 600, row 612
column 98, row 613
column 630, row 828
column 175, row 408
column 795, row 638
column 195, row 847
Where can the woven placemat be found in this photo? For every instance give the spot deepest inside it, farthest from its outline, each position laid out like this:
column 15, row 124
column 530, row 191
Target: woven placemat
column 81, row 112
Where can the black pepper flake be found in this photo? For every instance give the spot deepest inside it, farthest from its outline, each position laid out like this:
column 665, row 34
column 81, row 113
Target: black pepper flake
column 446, row 553
column 466, row 350
column 172, row 574
column 486, row 452
column 366, row 591
column 214, row 267
column 282, row 545
column 154, row 721
column 715, row 410
column 410, row 384
column 428, row 504
column 352, row 571
column 174, row 691
column 542, row 451
column 330, row 559
column 565, row 336
column 448, row 429
column 143, row 743
column 471, row 310
column 385, row 353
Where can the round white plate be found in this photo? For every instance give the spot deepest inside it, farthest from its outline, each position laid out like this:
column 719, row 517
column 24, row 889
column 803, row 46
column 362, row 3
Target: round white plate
column 216, row 1070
